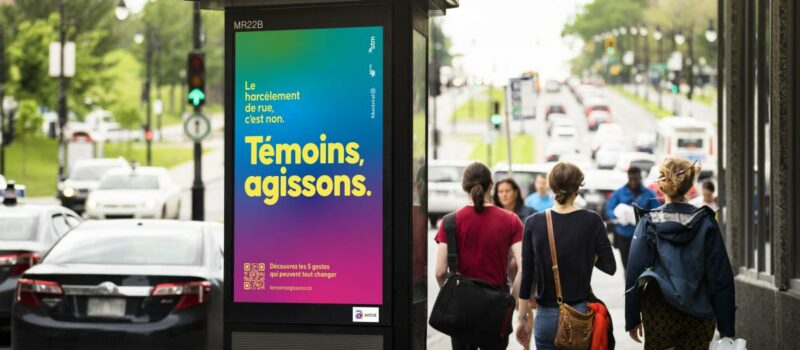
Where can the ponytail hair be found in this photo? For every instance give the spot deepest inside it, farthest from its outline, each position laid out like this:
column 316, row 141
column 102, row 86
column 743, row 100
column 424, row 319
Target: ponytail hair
column 476, row 181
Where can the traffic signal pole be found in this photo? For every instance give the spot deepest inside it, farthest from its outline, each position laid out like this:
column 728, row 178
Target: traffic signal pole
column 198, row 188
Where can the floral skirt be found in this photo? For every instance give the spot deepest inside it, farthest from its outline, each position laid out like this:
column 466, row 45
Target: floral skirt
column 667, row 327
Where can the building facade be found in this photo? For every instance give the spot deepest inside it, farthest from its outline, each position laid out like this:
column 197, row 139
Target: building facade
column 759, row 125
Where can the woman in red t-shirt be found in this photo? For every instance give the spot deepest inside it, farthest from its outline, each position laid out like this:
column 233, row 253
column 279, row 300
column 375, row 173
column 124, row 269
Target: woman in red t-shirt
column 485, row 234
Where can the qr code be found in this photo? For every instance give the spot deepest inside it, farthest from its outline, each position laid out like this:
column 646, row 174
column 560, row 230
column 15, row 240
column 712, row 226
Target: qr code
column 254, row 276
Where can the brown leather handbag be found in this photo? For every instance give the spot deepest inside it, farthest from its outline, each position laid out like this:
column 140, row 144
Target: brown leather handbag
column 574, row 328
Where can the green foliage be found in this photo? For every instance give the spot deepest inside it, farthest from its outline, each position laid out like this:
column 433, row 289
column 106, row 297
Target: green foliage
column 439, row 44
column 28, row 57
column 27, row 121
column 480, row 108
column 602, row 16
column 36, row 170
column 522, row 147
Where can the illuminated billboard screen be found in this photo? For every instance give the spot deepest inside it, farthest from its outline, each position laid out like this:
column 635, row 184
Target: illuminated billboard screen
column 308, row 166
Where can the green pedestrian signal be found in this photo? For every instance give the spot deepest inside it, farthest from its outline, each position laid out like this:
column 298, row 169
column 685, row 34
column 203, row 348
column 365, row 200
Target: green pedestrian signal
column 196, row 78
column 610, row 50
column 496, row 119
column 674, row 88
column 196, row 97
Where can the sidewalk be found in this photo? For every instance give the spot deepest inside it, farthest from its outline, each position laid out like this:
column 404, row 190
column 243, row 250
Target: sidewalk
column 610, row 289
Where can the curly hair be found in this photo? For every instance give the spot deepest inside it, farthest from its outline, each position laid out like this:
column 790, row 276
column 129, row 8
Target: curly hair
column 677, row 177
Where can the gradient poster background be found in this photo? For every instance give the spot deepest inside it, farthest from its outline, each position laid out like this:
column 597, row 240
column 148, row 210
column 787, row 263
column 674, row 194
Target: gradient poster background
column 338, row 75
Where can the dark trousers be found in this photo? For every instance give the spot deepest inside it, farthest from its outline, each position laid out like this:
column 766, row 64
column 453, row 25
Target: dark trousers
column 500, row 344
column 624, row 246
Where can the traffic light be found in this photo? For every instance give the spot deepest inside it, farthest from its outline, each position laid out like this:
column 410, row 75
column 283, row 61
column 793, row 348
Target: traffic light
column 496, row 118
column 611, row 45
column 196, row 78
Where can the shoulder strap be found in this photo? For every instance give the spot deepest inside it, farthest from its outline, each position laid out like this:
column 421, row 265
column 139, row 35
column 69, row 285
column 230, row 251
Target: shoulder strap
column 553, row 257
column 452, row 243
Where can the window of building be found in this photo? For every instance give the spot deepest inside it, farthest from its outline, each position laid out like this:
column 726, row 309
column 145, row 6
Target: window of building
column 758, row 233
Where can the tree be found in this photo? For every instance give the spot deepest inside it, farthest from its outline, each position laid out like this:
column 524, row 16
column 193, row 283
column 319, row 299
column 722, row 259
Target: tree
column 601, row 16
column 28, row 123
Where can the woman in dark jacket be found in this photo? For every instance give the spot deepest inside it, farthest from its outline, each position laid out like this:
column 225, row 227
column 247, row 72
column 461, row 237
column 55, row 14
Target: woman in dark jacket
column 679, row 277
column 508, row 196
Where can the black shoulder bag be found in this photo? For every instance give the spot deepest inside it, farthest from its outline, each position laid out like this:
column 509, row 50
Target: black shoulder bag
column 469, row 308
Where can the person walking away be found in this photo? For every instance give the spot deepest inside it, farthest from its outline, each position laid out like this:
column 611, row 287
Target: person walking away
column 707, row 198
column 485, row 234
column 679, row 279
column 619, row 209
column 541, row 199
column 581, row 244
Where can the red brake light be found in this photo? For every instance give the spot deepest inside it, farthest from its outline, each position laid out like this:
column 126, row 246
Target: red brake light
column 19, row 262
column 191, row 293
column 711, row 146
column 28, row 291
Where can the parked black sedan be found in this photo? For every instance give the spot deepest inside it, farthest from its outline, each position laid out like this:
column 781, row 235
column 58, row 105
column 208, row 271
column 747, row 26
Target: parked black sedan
column 26, row 233
column 125, row 285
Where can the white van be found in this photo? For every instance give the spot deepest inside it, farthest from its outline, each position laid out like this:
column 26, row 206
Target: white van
column 688, row 138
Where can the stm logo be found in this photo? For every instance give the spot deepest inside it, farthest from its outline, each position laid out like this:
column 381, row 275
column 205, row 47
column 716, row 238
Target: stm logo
column 366, row 314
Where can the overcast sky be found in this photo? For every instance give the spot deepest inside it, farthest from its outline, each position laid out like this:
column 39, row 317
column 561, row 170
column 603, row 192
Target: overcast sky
column 500, row 39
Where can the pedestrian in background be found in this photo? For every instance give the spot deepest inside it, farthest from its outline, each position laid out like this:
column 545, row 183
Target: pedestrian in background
column 507, row 195
column 708, row 198
column 619, row 209
column 679, row 279
column 485, row 235
column 580, row 237
column 541, row 199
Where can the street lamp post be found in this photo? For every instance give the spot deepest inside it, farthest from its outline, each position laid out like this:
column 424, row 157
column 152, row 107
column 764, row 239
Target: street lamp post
column 657, row 36
column 635, row 45
column 679, row 39
column 62, row 92
column 646, row 57
column 690, row 42
column 147, row 38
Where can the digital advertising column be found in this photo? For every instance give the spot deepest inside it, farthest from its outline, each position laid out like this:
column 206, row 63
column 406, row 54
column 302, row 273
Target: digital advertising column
column 308, row 172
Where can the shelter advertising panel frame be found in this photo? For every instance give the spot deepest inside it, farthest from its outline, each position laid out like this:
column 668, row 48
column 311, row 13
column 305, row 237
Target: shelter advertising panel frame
column 308, row 17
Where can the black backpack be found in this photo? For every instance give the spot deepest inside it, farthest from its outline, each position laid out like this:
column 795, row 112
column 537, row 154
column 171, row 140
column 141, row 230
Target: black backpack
column 469, row 308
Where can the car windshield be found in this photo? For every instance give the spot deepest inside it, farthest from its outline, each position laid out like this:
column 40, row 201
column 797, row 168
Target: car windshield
column 445, row 173
column 90, row 172
column 130, row 182
column 128, row 248
column 17, row 228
